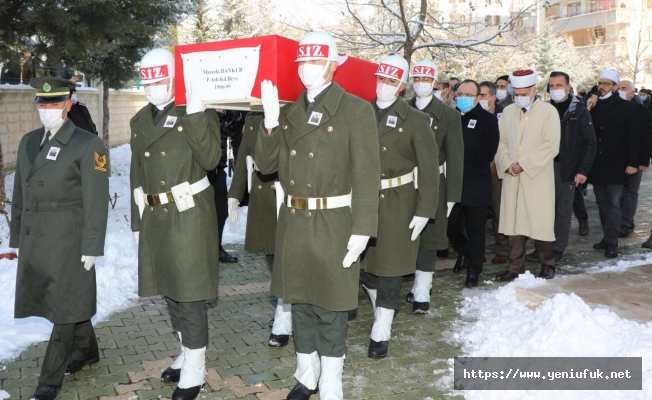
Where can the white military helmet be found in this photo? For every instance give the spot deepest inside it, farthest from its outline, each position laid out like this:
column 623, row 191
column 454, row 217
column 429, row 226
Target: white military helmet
column 394, row 67
column 156, row 65
column 317, row 46
column 425, row 69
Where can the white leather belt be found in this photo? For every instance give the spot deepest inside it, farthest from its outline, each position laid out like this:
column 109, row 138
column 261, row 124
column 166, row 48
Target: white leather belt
column 167, row 197
column 399, row 181
column 317, row 203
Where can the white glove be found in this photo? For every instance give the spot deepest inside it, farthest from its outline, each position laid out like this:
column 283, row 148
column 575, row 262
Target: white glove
column 194, row 103
column 356, row 246
column 233, row 209
column 17, row 252
column 88, row 261
column 271, row 106
column 417, row 225
column 137, row 237
column 450, row 208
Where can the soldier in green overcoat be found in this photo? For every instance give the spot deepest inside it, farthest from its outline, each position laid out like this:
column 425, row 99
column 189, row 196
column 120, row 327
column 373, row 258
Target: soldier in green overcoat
column 261, row 218
column 325, row 149
column 408, row 160
column 447, row 127
column 58, row 224
column 173, row 212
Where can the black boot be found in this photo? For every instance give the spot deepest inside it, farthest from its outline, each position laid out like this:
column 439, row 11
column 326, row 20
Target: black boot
column 648, row 243
column 460, row 264
column 186, row 394
column 377, row 349
column 420, row 308
column 472, row 275
column 227, row 258
column 171, row 375
column 46, row 392
column 278, row 340
column 300, row 392
column 271, row 323
column 410, row 297
column 76, row 366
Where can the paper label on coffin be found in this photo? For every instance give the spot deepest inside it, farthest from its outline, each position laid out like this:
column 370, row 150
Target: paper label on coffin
column 223, row 75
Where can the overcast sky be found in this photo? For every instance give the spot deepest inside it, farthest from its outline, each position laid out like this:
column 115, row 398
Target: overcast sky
column 311, row 12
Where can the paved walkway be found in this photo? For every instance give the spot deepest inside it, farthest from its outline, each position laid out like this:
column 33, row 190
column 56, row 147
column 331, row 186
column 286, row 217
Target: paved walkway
column 137, row 344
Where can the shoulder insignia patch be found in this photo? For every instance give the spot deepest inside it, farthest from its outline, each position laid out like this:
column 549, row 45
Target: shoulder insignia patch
column 100, row 162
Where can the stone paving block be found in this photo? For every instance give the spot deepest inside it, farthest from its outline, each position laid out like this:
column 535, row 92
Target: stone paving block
column 255, row 378
column 110, row 353
column 126, row 396
column 276, row 395
column 89, row 393
column 119, row 368
column 136, row 341
column 128, row 359
column 137, row 376
column 13, row 393
column 165, row 391
column 278, row 384
column 140, row 333
column 130, row 388
column 165, row 338
column 116, row 330
column 157, row 365
column 10, row 374
column 8, row 384
column 243, row 391
column 216, row 382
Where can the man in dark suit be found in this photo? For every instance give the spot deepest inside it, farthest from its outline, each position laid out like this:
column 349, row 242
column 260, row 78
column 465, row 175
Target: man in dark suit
column 58, row 223
column 629, row 201
column 618, row 157
column 481, row 136
column 576, row 153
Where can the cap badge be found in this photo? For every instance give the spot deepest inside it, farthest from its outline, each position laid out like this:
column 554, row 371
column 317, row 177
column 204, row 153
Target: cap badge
column 47, row 87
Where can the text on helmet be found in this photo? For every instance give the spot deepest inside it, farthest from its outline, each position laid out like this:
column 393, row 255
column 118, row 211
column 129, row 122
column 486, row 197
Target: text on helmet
column 424, row 70
column 312, row 50
column 158, row 72
column 390, row 70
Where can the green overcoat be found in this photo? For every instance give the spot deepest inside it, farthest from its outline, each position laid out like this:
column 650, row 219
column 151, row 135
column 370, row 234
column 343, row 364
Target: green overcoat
column 446, row 123
column 261, row 216
column 59, row 213
column 406, row 141
column 336, row 157
column 178, row 255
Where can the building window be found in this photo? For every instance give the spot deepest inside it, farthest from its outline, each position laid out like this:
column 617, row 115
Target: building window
column 599, row 34
column 492, row 20
column 552, row 12
column 574, row 9
column 517, row 22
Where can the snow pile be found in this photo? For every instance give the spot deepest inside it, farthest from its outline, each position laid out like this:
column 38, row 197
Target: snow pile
column 564, row 326
column 4, row 395
column 117, row 271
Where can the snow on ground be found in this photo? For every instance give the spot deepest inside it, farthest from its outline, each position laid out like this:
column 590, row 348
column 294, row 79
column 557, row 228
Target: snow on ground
column 498, row 325
column 4, row 395
column 117, row 271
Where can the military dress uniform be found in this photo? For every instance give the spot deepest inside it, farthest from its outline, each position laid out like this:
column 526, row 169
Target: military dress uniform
column 447, row 127
column 405, row 142
column 321, row 150
column 260, row 235
column 59, row 213
column 177, row 256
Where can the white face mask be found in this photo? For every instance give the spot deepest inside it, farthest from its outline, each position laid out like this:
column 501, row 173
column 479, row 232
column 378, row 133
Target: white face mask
column 622, row 94
column 312, row 75
column 51, row 117
column 74, row 98
column 158, row 94
column 501, row 94
column 606, row 96
column 523, row 101
column 423, row 89
column 558, row 94
column 386, row 93
column 438, row 94
column 484, row 104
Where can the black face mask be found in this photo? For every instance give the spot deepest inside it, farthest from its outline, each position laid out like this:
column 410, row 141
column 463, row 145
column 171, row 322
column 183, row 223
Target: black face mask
column 582, row 94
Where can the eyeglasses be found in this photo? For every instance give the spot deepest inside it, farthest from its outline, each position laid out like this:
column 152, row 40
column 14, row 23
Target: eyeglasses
column 606, row 84
column 460, row 94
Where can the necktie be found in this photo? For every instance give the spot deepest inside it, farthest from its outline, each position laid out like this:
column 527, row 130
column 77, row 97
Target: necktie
column 47, row 139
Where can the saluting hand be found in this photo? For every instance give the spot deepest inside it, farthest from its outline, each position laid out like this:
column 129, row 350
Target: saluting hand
column 271, row 106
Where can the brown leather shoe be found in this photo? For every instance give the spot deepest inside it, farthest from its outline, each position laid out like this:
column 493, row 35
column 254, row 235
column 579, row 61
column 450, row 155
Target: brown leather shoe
column 547, row 272
column 584, row 227
column 506, row 276
column 500, row 259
